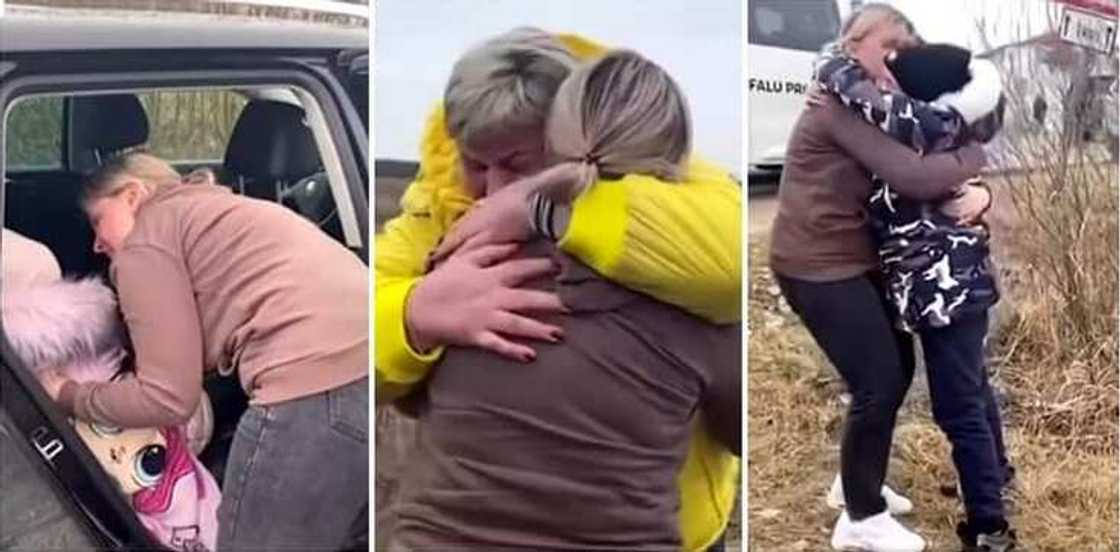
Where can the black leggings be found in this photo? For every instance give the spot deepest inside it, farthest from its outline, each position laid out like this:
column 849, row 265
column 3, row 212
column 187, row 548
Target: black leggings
column 850, row 321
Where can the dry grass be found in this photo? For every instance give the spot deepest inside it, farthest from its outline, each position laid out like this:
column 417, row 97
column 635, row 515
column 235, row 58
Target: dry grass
column 1054, row 354
column 1060, row 330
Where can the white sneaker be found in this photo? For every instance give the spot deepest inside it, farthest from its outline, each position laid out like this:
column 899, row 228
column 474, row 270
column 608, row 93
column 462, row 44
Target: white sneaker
column 896, row 504
column 878, row 533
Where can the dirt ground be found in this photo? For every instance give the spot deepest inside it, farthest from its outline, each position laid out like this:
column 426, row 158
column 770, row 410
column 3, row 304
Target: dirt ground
column 761, row 209
column 1066, row 500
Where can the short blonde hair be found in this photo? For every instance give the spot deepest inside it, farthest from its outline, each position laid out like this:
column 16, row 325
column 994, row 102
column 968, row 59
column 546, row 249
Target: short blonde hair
column 869, row 18
column 506, row 82
column 621, row 115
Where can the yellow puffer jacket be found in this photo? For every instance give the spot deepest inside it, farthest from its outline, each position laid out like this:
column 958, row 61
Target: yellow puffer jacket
column 678, row 242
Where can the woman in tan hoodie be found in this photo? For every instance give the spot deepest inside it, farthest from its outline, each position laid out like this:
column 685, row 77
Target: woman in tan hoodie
column 211, row 281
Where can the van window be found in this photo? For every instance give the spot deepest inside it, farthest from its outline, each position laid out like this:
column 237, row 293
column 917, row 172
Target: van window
column 797, row 25
column 35, row 135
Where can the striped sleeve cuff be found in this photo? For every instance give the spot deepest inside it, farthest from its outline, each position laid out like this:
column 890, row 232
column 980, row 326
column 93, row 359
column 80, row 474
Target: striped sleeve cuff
column 541, row 210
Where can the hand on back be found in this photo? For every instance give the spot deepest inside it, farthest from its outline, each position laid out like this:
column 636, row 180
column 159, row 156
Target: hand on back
column 967, row 208
column 472, row 299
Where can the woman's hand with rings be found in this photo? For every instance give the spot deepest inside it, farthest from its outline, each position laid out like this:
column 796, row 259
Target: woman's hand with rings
column 472, row 299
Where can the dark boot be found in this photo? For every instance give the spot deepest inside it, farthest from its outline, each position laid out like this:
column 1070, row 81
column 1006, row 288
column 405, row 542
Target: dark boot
column 1009, row 493
column 1000, row 540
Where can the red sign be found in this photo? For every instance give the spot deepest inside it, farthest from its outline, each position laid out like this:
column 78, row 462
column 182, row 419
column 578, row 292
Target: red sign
column 1102, row 7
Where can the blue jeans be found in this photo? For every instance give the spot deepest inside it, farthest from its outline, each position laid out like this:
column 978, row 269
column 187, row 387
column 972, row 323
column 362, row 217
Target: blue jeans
column 298, row 474
column 965, row 408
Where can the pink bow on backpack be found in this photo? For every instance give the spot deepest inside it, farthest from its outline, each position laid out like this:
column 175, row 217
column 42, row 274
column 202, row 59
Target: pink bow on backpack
column 181, row 510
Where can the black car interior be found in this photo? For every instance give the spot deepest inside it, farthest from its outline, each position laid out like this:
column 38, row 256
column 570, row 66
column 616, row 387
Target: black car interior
column 271, row 155
column 44, row 206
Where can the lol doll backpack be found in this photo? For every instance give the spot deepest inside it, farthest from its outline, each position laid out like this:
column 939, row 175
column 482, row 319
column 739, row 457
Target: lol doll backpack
column 74, row 326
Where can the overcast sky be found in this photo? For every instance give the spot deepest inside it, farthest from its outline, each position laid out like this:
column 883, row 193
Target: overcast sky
column 699, row 43
column 954, row 21
column 417, row 41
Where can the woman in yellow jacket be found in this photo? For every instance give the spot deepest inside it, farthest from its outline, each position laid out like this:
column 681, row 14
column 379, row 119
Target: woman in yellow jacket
column 678, row 242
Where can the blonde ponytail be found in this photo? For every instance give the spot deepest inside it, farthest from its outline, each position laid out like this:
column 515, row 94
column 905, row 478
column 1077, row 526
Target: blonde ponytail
column 622, row 114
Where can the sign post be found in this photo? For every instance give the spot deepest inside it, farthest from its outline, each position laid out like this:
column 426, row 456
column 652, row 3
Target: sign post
column 1087, row 24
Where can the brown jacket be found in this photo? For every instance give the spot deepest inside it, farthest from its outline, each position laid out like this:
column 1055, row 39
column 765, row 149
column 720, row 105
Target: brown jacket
column 209, row 280
column 580, row 449
column 820, row 232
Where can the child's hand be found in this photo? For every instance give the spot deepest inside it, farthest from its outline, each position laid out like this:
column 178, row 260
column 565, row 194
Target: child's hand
column 52, row 381
column 816, row 96
column 887, row 83
column 503, row 216
column 970, row 205
column 500, row 218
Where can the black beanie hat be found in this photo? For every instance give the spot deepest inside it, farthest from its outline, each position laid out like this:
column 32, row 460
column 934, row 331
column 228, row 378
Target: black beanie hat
column 930, row 70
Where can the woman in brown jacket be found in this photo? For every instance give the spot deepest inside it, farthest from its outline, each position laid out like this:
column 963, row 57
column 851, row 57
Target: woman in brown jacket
column 211, row 281
column 827, row 266
column 580, row 450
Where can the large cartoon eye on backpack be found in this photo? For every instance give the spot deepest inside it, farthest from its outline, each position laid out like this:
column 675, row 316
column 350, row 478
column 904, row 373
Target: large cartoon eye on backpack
column 149, row 465
column 135, row 458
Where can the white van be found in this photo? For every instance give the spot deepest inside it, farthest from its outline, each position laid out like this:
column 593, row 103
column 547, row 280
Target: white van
column 783, row 38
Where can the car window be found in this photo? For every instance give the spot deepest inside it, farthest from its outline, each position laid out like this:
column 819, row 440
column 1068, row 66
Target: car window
column 802, row 25
column 32, row 515
column 191, row 126
column 359, row 88
column 194, row 128
column 34, row 140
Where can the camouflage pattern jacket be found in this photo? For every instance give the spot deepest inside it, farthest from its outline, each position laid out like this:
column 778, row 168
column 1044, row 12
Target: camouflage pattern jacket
column 935, row 270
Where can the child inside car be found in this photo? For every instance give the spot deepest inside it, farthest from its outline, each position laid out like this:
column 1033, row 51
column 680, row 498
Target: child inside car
column 73, row 326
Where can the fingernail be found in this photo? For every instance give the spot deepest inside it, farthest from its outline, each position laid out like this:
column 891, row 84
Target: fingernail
column 529, row 357
column 557, row 335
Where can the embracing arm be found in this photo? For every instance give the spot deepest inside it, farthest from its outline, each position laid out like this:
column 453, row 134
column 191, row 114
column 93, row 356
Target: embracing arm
column 918, row 177
column 921, row 126
column 678, row 242
column 722, row 403
column 400, row 253
column 159, row 309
